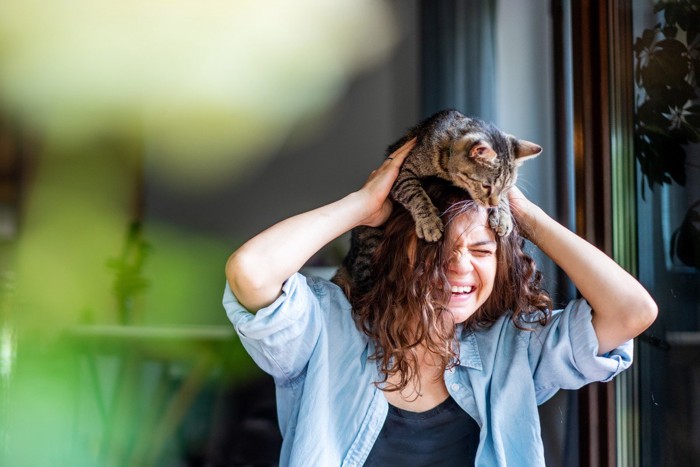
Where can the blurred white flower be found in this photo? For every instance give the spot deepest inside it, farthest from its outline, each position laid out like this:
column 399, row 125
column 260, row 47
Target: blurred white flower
column 676, row 116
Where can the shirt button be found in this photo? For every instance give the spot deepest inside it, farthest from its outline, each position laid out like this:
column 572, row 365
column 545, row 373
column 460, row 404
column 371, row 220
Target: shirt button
column 455, row 387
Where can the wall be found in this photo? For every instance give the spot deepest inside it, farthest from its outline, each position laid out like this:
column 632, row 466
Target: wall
column 324, row 158
column 322, row 161
column 525, row 94
column 525, row 108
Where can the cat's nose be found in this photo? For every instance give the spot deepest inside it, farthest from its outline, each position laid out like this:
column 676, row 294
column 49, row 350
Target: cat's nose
column 494, row 200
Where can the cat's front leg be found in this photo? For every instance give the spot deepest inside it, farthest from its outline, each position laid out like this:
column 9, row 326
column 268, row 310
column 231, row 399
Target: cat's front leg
column 429, row 226
column 500, row 218
column 409, row 192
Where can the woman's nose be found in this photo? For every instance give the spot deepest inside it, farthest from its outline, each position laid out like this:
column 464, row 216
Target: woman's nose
column 462, row 263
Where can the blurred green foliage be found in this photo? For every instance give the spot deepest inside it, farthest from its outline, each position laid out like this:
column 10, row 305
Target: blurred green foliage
column 109, row 332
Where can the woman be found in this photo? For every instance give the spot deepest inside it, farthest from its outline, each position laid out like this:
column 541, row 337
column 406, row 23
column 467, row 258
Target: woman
column 445, row 360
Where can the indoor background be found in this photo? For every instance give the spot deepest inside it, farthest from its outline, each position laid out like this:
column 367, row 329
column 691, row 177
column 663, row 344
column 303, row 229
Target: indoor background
column 142, row 142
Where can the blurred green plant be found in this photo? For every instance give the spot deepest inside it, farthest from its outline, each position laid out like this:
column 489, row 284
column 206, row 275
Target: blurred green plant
column 200, row 90
column 129, row 280
column 666, row 72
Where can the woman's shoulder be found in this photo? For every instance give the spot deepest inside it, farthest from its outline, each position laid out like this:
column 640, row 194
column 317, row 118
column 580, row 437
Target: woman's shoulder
column 572, row 319
column 533, row 320
column 334, row 305
column 319, row 281
column 512, row 325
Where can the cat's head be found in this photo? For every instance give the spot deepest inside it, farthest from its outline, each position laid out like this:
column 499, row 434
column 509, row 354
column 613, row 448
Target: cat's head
column 484, row 160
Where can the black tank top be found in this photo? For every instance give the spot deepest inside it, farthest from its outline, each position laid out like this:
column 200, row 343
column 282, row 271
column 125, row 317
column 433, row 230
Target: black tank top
column 442, row 436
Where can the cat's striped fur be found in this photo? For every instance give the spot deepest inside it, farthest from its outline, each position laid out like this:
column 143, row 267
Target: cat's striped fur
column 470, row 153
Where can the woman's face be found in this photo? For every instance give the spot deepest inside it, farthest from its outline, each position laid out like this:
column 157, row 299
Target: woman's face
column 471, row 270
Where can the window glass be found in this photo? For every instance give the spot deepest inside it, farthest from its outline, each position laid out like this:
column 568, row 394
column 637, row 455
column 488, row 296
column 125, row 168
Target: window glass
column 667, row 149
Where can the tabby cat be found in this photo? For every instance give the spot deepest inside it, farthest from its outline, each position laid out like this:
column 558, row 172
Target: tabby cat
column 471, row 154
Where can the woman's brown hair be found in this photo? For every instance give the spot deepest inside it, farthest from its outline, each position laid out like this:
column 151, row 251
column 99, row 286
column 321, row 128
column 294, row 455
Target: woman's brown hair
column 407, row 305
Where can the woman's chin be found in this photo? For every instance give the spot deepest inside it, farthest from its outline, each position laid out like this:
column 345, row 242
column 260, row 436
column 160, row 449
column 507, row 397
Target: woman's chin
column 461, row 311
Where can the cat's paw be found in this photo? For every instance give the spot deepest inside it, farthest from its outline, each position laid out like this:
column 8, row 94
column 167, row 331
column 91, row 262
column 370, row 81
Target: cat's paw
column 501, row 222
column 430, row 229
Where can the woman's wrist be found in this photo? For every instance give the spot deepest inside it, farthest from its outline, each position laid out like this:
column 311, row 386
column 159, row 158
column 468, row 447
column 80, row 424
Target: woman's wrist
column 365, row 210
column 356, row 207
column 528, row 216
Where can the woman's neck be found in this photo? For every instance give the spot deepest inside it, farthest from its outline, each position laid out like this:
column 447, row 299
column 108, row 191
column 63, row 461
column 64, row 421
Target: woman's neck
column 423, row 393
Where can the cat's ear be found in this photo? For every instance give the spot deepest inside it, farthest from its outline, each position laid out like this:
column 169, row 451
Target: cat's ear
column 482, row 150
column 526, row 150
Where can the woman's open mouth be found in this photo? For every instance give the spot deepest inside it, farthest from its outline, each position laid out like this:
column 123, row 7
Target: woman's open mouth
column 462, row 290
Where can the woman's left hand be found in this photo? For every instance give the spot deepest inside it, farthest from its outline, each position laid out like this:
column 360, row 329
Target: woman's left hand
column 622, row 308
column 524, row 211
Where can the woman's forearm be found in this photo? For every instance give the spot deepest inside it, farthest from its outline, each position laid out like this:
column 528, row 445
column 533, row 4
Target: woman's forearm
column 257, row 270
column 622, row 308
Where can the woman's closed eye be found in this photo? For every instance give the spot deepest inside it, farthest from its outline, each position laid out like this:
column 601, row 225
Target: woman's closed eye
column 482, row 252
column 474, row 252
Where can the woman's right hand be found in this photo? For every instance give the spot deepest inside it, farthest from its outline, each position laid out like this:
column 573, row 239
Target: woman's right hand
column 257, row 270
column 375, row 191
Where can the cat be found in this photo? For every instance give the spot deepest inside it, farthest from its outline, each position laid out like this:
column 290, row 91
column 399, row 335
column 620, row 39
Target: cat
column 468, row 152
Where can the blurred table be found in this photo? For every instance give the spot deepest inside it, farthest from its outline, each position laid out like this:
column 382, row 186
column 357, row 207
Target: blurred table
column 139, row 381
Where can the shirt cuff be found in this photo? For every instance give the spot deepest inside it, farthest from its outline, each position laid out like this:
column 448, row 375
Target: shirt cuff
column 584, row 343
column 278, row 316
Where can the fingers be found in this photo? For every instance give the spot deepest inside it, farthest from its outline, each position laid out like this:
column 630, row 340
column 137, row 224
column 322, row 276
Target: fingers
column 524, row 211
column 397, row 157
column 515, row 193
column 390, row 166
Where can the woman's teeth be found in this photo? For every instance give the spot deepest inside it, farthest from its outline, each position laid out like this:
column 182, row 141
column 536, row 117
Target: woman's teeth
column 462, row 289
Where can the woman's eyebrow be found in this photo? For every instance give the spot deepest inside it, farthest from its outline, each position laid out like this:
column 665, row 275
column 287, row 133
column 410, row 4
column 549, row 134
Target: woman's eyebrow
column 482, row 243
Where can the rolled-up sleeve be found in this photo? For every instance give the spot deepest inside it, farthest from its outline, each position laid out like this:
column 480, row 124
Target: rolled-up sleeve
column 280, row 337
column 564, row 353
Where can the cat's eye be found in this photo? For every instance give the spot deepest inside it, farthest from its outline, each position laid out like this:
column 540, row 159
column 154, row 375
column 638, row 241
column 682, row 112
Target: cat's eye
column 480, row 150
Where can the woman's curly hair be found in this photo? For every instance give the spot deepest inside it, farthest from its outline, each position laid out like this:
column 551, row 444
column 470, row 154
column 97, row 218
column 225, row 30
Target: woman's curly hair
column 407, row 305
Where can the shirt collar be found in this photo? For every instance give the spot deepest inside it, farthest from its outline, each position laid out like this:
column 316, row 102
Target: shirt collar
column 468, row 350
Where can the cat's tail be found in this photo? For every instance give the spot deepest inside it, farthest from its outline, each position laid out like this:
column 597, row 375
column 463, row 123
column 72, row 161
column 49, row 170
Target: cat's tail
column 343, row 280
column 354, row 276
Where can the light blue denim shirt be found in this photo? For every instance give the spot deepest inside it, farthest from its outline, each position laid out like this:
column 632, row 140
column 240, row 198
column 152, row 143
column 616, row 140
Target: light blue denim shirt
column 330, row 413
